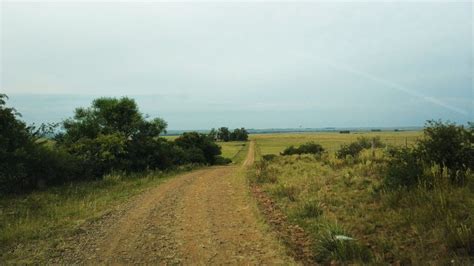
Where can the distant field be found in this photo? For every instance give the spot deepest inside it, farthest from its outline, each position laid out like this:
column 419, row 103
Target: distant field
column 235, row 150
column 275, row 143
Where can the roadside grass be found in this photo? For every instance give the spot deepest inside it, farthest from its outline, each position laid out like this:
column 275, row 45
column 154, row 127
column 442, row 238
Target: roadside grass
column 234, row 150
column 350, row 218
column 32, row 225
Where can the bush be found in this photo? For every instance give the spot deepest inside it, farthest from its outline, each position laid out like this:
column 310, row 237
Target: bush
column 404, row 169
column 307, row 148
column 222, row 161
column 199, row 148
column 353, row 149
column 26, row 163
column 447, row 144
column 444, row 145
column 269, row 157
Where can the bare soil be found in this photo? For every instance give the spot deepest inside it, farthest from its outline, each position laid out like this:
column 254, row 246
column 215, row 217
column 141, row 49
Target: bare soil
column 202, row 217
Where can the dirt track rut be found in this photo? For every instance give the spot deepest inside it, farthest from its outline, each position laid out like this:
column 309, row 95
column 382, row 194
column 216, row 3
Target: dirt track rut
column 202, row 217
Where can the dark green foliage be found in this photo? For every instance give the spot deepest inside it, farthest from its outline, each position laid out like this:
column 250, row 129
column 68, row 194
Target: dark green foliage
column 239, row 134
column 25, row 162
column 353, row 149
column 444, row 144
column 307, row 148
column 224, row 134
column 403, row 169
column 269, row 157
column 200, row 148
column 111, row 135
column 219, row 160
column 449, row 145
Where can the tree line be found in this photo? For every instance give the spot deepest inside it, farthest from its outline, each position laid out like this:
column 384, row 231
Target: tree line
column 110, row 135
column 224, row 134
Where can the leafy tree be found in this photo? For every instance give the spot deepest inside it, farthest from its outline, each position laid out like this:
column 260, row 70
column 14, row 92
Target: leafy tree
column 200, row 148
column 239, row 135
column 26, row 163
column 223, row 134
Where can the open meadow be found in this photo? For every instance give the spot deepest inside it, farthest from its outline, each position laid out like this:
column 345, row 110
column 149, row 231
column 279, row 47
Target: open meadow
column 348, row 213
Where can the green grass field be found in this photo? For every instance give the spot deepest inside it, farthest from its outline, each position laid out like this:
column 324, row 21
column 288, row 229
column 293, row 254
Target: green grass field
column 328, row 197
column 275, row 143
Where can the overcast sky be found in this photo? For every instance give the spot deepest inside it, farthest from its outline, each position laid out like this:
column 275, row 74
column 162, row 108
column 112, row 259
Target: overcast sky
column 258, row 65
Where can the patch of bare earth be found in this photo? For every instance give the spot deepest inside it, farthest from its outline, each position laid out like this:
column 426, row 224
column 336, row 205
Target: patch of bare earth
column 298, row 242
column 203, row 217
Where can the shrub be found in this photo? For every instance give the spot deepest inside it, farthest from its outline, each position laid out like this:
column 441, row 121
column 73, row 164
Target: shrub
column 26, row 163
column 307, row 148
column 444, row 145
column 404, row 169
column 199, row 148
column 448, row 144
column 353, row 149
column 269, row 157
column 219, row 160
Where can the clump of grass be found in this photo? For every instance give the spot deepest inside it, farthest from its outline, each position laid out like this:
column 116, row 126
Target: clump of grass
column 310, row 209
column 262, row 173
column 335, row 244
column 287, row 191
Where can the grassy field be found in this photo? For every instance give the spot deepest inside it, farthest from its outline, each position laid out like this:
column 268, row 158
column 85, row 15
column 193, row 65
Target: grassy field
column 275, row 143
column 335, row 199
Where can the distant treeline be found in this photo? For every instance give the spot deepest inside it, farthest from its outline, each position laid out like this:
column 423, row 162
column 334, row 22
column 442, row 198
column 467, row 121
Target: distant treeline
column 111, row 135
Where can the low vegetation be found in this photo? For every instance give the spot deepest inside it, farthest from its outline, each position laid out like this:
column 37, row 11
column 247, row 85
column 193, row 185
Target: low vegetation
column 307, row 148
column 407, row 202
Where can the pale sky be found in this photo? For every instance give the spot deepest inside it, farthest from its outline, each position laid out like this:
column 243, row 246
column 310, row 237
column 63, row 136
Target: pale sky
column 257, row 65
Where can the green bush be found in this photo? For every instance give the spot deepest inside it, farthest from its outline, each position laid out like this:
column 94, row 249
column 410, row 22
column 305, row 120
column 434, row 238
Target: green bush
column 444, row 145
column 449, row 145
column 269, row 157
column 353, row 149
column 25, row 162
column 404, row 169
column 307, row 148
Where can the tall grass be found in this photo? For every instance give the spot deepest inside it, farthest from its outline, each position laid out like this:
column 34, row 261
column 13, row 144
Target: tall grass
column 331, row 197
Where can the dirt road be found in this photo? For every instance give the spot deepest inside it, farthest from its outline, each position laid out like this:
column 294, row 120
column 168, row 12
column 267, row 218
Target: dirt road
column 203, row 217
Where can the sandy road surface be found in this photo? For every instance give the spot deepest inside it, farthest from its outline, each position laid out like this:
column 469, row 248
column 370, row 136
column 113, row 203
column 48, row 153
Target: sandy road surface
column 203, row 217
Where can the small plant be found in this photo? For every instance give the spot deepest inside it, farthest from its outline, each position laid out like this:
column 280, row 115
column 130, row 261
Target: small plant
column 311, row 209
column 263, row 173
column 335, row 243
column 286, row 191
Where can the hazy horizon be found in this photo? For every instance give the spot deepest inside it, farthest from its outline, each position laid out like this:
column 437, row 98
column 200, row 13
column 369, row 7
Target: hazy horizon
column 256, row 65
